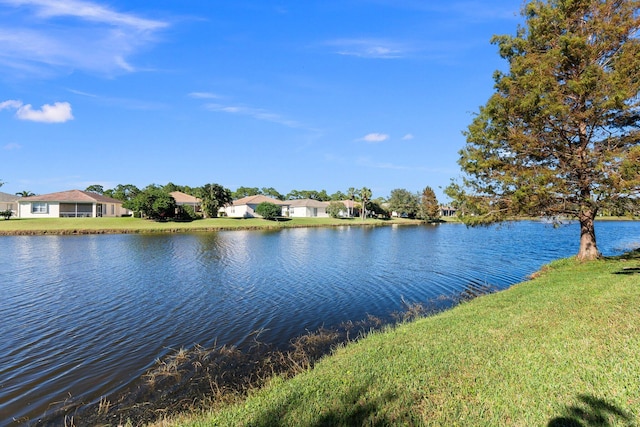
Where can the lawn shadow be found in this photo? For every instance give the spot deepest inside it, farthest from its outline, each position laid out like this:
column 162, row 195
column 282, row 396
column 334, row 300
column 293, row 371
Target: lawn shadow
column 353, row 409
column 592, row 412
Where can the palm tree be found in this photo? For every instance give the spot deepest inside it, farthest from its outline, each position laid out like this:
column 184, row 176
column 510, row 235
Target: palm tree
column 25, row 193
column 351, row 193
column 365, row 195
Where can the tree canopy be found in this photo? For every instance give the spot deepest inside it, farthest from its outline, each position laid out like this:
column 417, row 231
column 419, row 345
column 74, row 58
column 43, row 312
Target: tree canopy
column 403, row 201
column 153, row 202
column 560, row 135
column 214, row 197
column 429, row 206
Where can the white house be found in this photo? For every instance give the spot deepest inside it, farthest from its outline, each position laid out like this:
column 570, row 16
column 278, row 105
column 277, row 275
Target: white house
column 307, row 208
column 72, row 204
column 246, row 207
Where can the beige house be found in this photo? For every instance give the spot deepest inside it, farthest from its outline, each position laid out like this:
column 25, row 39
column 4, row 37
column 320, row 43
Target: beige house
column 71, row 204
column 246, row 207
column 9, row 202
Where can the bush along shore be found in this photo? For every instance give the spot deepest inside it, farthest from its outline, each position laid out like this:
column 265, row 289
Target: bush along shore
column 558, row 350
column 199, row 378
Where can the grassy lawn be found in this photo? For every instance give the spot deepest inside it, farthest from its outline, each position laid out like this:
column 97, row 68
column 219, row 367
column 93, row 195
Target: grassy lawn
column 562, row 349
column 137, row 225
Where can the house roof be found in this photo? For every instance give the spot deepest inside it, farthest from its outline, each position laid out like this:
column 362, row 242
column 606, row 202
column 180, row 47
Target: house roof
column 348, row 203
column 309, row 203
column 256, row 200
column 6, row 197
column 181, row 197
column 71, row 196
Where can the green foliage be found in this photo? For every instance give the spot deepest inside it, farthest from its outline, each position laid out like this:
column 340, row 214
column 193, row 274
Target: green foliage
column 271, row 192
column 95, row 188
column 336, row 209
column 153, row 202
column 429, row 206
column 556, row 136
column 25, row 193
column 365, row 195
column 214, row 197
column 6, row 214
column 403, row 202
column 186, row 213
column 338, row 196
column 308, row 194
column 122, row 192
column 268, row 210
column 245, row 192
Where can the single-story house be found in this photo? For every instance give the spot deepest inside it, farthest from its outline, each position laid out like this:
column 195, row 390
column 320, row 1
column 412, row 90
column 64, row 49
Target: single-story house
column 448, row 211
column 184, row 199
column 72, row 203
column 307, row 208
column 246, row 206
column 9, row 202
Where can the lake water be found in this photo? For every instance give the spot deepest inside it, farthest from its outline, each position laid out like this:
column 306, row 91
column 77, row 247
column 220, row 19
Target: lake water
column 84, row 316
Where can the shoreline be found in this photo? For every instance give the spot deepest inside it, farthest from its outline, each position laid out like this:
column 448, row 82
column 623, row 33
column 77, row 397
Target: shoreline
column 88, row 226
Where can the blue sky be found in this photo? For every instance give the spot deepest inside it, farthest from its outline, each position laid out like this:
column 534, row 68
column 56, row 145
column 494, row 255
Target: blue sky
column 304, row 95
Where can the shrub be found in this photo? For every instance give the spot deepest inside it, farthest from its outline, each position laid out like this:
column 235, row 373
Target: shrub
column 335, row 209
column 268, row 210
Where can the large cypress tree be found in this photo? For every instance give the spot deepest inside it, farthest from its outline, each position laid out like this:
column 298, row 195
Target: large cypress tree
column 560, row 135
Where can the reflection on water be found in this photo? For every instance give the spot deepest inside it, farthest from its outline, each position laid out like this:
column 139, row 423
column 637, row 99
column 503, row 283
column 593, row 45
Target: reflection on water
column 83, row 316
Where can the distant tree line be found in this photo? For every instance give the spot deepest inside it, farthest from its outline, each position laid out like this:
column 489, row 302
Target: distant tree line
column 155, row 201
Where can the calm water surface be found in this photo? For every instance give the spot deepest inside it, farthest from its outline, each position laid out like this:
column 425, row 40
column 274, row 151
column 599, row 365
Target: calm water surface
column 83, row 316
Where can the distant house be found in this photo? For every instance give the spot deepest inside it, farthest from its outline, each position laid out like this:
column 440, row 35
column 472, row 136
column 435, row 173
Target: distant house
column 246, row 207
column 72, row 204
column 184, row 199
column 307, row 208
column 9, row 202
column 448, row 211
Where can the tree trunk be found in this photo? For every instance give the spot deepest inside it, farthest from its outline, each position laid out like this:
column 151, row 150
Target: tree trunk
column 588, row 247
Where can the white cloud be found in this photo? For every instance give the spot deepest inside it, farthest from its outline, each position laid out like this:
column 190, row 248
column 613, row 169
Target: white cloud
column 12, row 103
column 374, row 137
column 256, row 113
column 204, row 95
column 407, row 137
column 12, row 146
column 94, row 37
column 59, row 112
column 369, row 48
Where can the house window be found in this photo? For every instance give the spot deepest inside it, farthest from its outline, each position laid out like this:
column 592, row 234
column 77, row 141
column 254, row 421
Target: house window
column 113, row 209
column 39, row 208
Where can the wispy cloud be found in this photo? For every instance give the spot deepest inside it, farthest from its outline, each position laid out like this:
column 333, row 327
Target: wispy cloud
column 374, row 137
column 58, row 112
column 370, row 163
column 407, row 137
column 369, row 48
column 204, row 95
column 11, row 146
column 256, row 113
column 94, row 37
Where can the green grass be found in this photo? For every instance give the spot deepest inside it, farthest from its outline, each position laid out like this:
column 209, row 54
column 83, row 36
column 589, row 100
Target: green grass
column 561, row 349
column 137, row 225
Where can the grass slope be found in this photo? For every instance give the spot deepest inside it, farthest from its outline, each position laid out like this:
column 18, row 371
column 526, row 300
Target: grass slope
column 137, row 225
column 562, row 349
